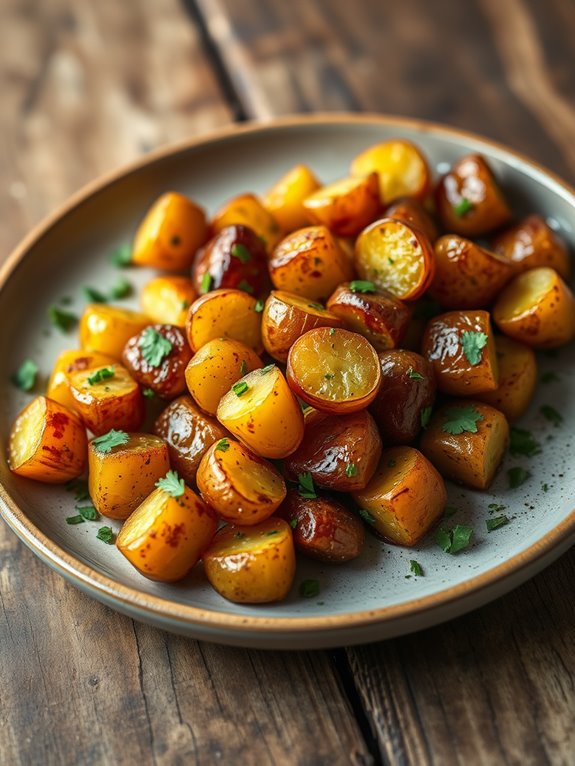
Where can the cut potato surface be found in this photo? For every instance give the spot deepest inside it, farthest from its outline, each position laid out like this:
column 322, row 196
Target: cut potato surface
column 107, row 397
column 167, row 299
column 68, row 363
column 517, row 378
column 401, row 167
column 107, row 329
column 224, row 313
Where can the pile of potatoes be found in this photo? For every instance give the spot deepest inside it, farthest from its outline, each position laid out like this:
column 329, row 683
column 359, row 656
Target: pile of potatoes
column 303, row 343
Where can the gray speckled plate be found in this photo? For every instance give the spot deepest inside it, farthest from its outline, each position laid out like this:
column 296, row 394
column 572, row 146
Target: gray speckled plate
column 373, row 597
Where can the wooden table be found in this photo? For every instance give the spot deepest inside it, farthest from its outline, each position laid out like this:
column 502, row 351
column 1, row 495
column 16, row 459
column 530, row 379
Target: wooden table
column 87, row 86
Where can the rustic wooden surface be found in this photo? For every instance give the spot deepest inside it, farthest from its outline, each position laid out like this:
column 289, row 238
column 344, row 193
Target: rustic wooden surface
column 87, row 86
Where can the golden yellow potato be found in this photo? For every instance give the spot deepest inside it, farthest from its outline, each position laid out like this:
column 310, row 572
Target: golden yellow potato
column 466, row 441
column 262, row 412
column 168, row 533
column 67, row 363
column 225, row 313
column 346, row 206
column 241, row 486
column 537, row 308
column 107, row 397
column 215, row 367
column 171, row 232
column 47, row 442
column 285, row 199
column 252, row 565
column 401, row 167
column 517, row 378
column 167, row 299
column 106, row 329
column 247, row 209
column 405, row 496
column 121, row 478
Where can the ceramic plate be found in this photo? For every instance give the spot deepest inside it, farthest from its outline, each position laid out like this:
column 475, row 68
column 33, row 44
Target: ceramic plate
column 374, row 597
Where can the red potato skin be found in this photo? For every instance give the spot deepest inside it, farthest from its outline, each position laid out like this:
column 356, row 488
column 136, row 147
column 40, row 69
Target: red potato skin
column 323, row 528
column 410, row 211
column 532, row 243
column 168, row 378
column 401, row 399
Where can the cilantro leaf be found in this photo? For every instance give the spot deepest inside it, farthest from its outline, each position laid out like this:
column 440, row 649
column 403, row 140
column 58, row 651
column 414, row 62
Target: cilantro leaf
column 223, row 445
column 104, row 373
column 351, row 470
column 362, row 286
column 416, row 568
column 472, row 343
column 80, row 489
column 94, row 295
column 88, row 512
column 293, row 522
column 154, row 346
column 172, row 484
column 245, row 286
column 496, row 522
column 316, row 306
column 551, row 414
column 462, row 207
column 309, row 588
column 259, row 307
column 460, row 420
column 414, row 375
column 306, row 486
column 74, row 519
column 25, row 376
column 517, row 476
column 425, row 416
column 106, row 535
column 366, row 516
column 122, row 256
column 454, row 540
column 121, row 289
column 241, row 252
column 107, row 442
column 149, row 393
column 243, row 368
column 522, row 442
column 240, row 388
column 207, row 283
column 63, row 320
column 267, row 368
column 496, row 507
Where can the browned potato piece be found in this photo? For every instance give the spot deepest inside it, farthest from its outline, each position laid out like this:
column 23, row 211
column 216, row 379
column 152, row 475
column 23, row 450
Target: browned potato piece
column 532, row 243
column 119, row 480
column 461, row 347
column 517, row 378
column 375, row 314
column 167, row 299
column 225, row 313
column 106, row 398
column 467, row 276
column 252, row 565
column 466, row 441
column 340, row 451
column 285, row 199
column 188, row 433
column 106, row 329
column 240, row 485
column 469, row 201
column 402, row 169
column 537, row 308
column 411, row 211
column 346, row 206
column 405, row 497
column 286, row 317
column 65, row 365
column 323, row 528
column 406, row 395
column 157, row 358
column 246, row 209
column 215, row 368
column 309, row 262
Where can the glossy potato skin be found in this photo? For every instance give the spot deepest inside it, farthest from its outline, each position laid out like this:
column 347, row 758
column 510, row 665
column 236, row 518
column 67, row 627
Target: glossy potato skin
column 347, row 206
column 378, row 316
column 442, row 346
column 410, row 211
column 286, row 317
column 468, row 458
column 467, row 276
column 398, row 407
column 67, row 363
column 323, row 528
column 285, row 199
column 224, row 313
column 471, row 178
column 332, row 443
column 309, row 262
column 401, row 167
column 517, row 378
column 168, row 378
column 217, row 259
column 246, row 209
column 532, row 243
column 188, row 432
column 167, row 299
column 106, row 329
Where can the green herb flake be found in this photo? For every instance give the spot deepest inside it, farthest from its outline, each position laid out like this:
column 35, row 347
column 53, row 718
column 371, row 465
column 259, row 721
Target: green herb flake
column 172, row 484
column 293, row 523
column 80, row 489
column 545, row 486
column 88, row 512
column 462, row 207
column 245, row 287
column 240, row 536
column 148, row 393
column 94, row 296
column 415, row 568
column 240, row 388
column 551, row 414
column 121, row 289
column 259, row 307
column 329, row 376
column 104, row 373
column 550, row 377
column 309, row 588
column 154, row 346
column 473, row 343
column 243, row 367
column 362, row 286
column 425, row 416
column 454, row 540
column 316, row 306
column 63, row 320
column 517, row 476
column 207, row 283
column 74, row 519
column 496, row 522
column 241, row 252
column 25, row 376
column 122, row 256
column 350, row 470
column 367, row 517
column 332, row 331
column 496, row 507
column 107, row 442
column 223, row 445
column 272, row 532
column 460, row 420
column 306, row 486
column 522, row 442
column 390, row 260
column 185, row 305
column 414, row 375
column 267, row 368
column 106, row 535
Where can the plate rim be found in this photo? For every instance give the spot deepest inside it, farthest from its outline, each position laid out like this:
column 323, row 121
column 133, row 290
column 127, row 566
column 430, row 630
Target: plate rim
column 186, row 615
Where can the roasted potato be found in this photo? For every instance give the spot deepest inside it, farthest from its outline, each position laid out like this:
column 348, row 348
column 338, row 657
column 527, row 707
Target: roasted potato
column 167, row 299
column 121, row 478
column 285, row 199
column 468, row 199
column 396, row 257
column 215, row 368
column 286, row 317
column 252, row 565
column 225, row 313
column 405, row 497
column 263, row 413
column 157, row 358
column 341, row 452
column 106, row 398
column 188, row 433
column 410, row 211
column 537, row 308
column 246, row 209
column 310, row 262
column 323, row 528
column 168, row 533
column 67, row 363
column 401, row 167
column 373, row 313
column 171, row 232
column 532, row 243
column 461, row 347
column 334, row 370
column 106, row 329
column 346, row 206
column 466, row 441
column 47, row 442
column 240, row 485
column 466, row 275
column 517, row 378
column 407, row 393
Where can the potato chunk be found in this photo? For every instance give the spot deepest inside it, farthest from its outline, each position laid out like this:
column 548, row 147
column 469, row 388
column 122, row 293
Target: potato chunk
column 157, row 358
column 285, row 199
column 107, row 397
column 225, row 313
column 401, row 167
column 106, row 329
column 346, row 206
column 247, row 210
column 517, row 378
column 532, row 243
column 67, row 363
column 167, row 299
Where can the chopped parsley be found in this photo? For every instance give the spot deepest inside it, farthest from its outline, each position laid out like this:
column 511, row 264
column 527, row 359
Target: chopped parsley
column 496, row 522
column 463, row 207
column 245, row 286
column 316, row 306
column 522, row 442
column 172, row 484
column 425, row 416
column 154, row 346
column 122, row 289
column 104, row 373
column 94, row 295
column 259, row 307
column 63, row 320
column 460, row 420
column 306, row 486
column 454, row 540
column 309, row 588
column 517, row 476
column 272, row 532
column 223, row 445
column 415, row 568
column 496, row 507
column 107, row 442
column 473, row 343
column 293, row 522
column 351, row 470
column 148, row 393
column 88, row 512
column 25, row 376
column 106, row 535
column 551, row 414
column 240, row 388
column 243, row 367
column 366, row 516
column 240, row 536
column 74, row 519
column 241, row 252
column 207, row 283
column 267, row 368
column 80, row 489
column 414, row 375
column 362, row 286
column 545, row 486
column 122, row 256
